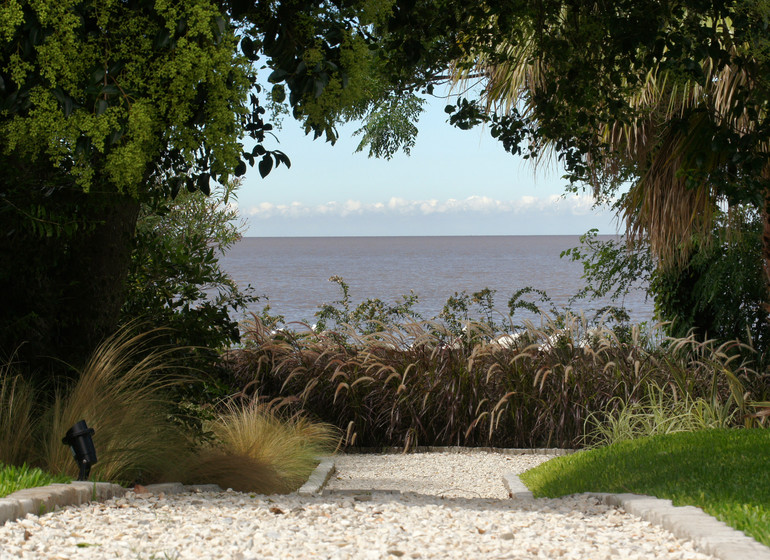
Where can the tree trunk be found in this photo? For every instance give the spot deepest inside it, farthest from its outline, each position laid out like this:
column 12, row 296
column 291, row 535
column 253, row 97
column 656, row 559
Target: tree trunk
column 766, row 246
column 60, row 295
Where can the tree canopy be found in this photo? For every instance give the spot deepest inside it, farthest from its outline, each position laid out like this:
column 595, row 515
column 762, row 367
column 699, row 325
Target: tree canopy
column 106, row 105
column 669, row 97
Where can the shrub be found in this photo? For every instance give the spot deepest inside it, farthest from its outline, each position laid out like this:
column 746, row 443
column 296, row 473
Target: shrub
column 258, row 449
column 123, row 393
column 417, row 384
column 462, row 383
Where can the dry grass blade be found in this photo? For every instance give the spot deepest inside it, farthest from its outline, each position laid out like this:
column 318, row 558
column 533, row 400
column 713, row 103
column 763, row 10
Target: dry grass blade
column 119, row 393
column 257, row 433
column 534, row 390
column 16, row 417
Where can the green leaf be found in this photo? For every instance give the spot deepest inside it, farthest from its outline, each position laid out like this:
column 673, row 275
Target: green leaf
column 278, row 93
column 265, row 165
column 162, row 39
column 247, row 46
column 98, row 75
column 116, row 68
column 116, row 136
column 221, row 25
column 109, row 90
column 280, row 157
column 276, row 76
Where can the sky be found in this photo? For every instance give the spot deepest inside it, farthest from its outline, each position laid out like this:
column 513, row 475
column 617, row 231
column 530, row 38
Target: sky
column 455, row 182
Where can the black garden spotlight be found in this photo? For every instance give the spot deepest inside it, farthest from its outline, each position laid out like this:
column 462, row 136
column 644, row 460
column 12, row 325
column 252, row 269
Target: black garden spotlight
column 79, row 439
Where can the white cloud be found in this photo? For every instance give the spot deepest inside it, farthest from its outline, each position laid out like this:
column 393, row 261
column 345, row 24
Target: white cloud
column 577, row 205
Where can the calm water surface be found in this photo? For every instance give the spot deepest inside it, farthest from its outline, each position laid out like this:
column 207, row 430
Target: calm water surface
column 294, row 272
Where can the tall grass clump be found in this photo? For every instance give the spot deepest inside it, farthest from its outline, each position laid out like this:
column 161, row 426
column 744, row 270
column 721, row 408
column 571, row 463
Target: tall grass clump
column 122, row 393
column 662, row 411
column 17, row 401
column 423, row 383
column 257, row 448
column 419, row 384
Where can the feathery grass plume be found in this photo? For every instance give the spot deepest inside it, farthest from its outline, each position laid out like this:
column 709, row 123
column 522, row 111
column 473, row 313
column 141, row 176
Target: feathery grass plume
column 730, row 368
column 242, row 473
column 120, row 393
column 276, row 452
column 421, row 384
column 17, row 400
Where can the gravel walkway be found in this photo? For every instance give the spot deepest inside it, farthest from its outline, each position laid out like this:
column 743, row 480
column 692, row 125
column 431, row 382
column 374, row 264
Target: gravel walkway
column 437, row 505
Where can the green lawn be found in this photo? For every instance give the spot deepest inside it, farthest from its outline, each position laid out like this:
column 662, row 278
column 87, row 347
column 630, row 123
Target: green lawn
column 724, row 472
column 17, row 478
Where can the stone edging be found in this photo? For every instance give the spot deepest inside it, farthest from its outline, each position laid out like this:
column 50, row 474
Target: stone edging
column 318, row 478
column 709, row 535
column 44, row 499
column 555, row 451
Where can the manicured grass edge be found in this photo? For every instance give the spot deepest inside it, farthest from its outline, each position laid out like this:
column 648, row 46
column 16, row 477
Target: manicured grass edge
column 722, row 472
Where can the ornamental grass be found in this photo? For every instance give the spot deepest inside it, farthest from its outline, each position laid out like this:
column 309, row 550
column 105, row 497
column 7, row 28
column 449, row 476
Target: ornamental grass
column 123, row 393
column 259, row 448
column 417, row 384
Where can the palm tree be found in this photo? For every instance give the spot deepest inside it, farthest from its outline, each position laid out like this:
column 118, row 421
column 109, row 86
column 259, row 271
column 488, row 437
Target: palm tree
column 670, row 133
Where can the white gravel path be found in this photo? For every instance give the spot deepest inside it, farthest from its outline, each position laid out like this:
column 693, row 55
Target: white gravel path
column 437, row 505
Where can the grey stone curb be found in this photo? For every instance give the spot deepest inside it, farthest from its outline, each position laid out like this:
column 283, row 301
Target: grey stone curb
column 44, row 499
column 709, row 535
column 318, row 479
column 688, row 522
column 555, row 451
column 516, row 488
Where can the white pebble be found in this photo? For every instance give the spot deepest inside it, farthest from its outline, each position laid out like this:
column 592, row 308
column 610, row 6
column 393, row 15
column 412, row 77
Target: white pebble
column 451, row 505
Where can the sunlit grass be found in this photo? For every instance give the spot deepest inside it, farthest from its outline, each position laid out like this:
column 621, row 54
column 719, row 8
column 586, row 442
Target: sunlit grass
column 724, row 472
column 13, row 478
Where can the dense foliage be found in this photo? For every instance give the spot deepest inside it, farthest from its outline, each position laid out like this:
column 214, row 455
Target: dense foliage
column 718, row 292
column 108, row 106
column 176, row 280
column 670, row 98
column 419, row 384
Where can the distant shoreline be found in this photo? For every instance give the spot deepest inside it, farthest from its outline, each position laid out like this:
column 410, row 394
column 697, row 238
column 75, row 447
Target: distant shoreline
column 484, row 236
